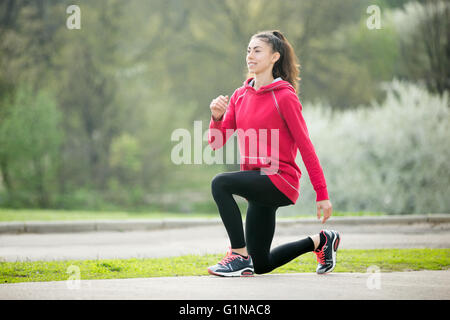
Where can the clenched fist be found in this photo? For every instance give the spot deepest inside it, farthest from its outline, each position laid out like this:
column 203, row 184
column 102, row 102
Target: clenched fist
column 218, row 107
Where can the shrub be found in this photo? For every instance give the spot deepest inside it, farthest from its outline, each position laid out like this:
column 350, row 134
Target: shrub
column 391, row 157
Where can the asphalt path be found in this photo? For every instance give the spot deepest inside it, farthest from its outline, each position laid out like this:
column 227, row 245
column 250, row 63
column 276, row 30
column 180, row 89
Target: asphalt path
column 424, row 285
column 205, row 239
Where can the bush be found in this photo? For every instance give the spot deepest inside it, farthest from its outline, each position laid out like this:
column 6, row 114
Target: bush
column 390, row 157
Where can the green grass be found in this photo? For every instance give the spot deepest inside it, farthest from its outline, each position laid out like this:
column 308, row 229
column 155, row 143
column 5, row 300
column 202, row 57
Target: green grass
column 20, row 215
column 387, row 260
column 73, row 215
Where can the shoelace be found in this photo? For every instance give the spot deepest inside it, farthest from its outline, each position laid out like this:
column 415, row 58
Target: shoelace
column 320, row 256
column 228, row 259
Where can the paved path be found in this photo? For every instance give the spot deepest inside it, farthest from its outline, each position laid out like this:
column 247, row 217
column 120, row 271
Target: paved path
column 395, row 285
column 207, row 239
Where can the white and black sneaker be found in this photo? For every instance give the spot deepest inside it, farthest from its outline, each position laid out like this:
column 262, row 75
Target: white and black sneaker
column 233, row 265
column 326, row 255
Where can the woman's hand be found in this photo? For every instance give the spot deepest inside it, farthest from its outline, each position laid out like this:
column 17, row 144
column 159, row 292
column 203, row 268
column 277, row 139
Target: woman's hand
column 218, row 107
column 327, row 208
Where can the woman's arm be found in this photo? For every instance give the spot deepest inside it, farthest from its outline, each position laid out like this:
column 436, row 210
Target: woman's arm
column 222, row 129
column 291, row 109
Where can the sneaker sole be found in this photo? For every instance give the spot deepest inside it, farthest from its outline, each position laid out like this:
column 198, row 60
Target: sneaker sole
column 239, row 273
column 335, row 246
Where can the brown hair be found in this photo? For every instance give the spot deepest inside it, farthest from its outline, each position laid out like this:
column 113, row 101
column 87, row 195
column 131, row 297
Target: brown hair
column 287, row 66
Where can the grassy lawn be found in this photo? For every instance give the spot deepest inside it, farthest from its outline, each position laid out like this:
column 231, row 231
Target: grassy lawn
column 387, row 260
column 69, row 215
column 72, row 215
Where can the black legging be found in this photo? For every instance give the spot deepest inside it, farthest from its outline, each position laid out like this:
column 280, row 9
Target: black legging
column 263, row 201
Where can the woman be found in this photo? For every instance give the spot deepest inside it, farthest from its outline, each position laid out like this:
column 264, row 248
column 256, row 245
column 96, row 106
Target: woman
column 267, row 101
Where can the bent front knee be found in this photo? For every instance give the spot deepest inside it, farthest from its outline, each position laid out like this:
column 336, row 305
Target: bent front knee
column 261, row 268
column 218, row 182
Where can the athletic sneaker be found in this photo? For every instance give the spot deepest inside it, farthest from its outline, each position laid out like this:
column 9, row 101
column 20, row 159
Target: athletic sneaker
column 233, row 265
column 326, row 256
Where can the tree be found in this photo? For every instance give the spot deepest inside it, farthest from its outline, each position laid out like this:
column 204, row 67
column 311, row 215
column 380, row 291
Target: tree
column 30, row 135
column 423, row 30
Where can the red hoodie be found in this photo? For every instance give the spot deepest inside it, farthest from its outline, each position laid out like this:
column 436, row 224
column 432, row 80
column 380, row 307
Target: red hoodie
column 253, row 112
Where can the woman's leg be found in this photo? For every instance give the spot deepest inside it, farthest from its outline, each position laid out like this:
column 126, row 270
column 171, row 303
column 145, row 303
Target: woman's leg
column 259, row 231
column 264, row 199
column 253, row 186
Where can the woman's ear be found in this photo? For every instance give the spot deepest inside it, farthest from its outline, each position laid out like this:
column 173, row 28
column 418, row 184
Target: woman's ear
column 275, row 57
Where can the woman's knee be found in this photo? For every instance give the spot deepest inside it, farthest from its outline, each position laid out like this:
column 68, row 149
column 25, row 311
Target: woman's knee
column 219, row 182
column 261, row 268
column 261, row 263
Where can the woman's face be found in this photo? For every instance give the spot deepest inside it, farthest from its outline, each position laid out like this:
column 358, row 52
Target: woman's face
column 260, row 57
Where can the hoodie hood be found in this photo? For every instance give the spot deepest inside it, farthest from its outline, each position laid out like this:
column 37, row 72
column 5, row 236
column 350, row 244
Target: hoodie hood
column 276, row 85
